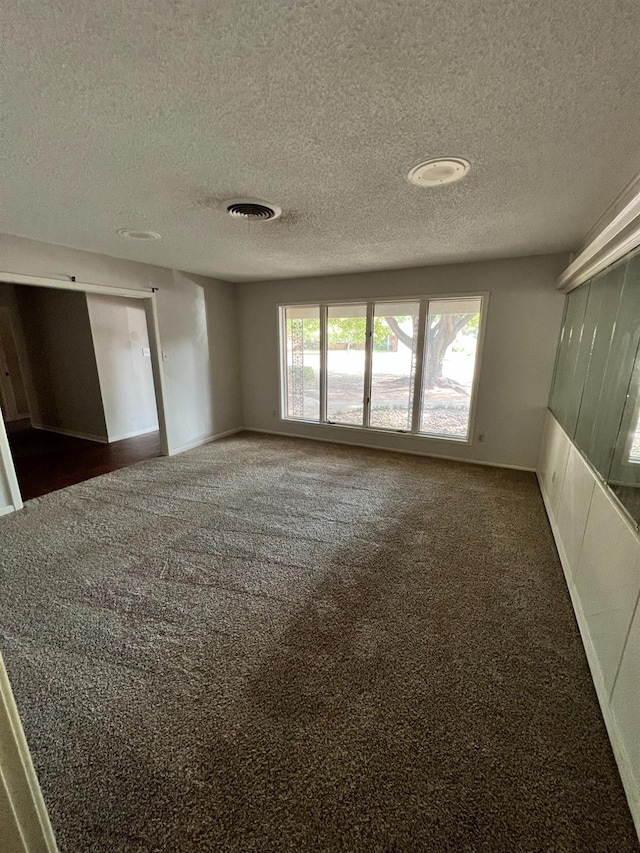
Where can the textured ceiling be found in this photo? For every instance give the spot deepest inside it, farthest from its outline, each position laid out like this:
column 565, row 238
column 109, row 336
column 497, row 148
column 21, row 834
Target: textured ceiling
column 149, row 113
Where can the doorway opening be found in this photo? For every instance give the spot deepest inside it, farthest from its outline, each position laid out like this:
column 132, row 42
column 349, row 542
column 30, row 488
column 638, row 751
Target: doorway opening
column 81, row 388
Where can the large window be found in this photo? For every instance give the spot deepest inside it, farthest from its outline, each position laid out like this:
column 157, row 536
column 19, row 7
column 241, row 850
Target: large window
column 302, row 362
column 408, row 366
column 450, row 364
column 393, row 364
column 346, row 361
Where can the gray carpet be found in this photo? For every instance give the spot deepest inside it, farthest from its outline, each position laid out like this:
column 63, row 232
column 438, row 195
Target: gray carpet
column 269, row 644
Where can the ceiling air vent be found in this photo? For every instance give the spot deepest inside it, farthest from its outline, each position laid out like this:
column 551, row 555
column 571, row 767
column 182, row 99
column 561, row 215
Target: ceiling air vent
column 253, row 211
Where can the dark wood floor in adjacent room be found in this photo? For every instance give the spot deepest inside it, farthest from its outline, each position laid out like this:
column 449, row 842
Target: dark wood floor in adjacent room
column 47, row 461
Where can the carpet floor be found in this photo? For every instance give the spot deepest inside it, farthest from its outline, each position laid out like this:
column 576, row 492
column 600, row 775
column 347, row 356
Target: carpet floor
column 270, row 644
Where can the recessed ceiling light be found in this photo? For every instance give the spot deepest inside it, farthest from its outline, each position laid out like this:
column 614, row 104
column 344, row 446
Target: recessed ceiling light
column 434, row 173
column 134, row 234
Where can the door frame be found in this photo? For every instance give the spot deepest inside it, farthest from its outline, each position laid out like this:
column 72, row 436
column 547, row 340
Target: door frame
column 24, row 819
column 148, row 295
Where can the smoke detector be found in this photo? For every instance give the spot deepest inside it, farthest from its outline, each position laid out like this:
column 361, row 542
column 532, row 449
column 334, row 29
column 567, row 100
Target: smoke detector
column 435, row 173
column 251, row 210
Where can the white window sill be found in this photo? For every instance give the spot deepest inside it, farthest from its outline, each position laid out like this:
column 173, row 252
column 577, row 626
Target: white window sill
column 378, row 431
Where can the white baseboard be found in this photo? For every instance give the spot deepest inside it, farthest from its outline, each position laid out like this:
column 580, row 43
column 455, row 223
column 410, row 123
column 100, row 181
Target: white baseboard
column 122, row 436
column 390, row 449
column 630, row 784
column 5, row 510
column 86, row 435
column 203, row 439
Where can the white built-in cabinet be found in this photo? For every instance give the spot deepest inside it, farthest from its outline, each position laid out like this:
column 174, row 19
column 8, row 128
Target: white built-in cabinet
column 599, row 548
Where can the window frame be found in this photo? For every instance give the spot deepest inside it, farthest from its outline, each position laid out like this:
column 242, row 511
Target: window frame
column 370, row 302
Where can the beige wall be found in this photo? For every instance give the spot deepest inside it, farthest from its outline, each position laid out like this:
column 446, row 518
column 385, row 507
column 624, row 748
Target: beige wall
column 523, row 324
column 62, row 361
column 119, row 329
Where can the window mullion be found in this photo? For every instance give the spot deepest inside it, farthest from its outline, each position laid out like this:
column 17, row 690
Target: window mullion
column 323, row 363
column 420, row 357
column 366, row 400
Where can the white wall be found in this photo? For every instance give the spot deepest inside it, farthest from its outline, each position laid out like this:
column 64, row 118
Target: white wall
column 199, row 330
column 120, row 337
column 600, row 554
column 197, row 320
column 62, row 360
column 523, row 324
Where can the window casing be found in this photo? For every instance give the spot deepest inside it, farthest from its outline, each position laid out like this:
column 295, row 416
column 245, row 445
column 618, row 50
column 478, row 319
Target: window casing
column 406, row 366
